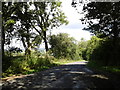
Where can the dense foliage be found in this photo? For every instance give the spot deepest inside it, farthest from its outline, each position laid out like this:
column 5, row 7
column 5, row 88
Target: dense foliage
column 48, row 15
column 28, row 22
column 103, row 51
column 82, row 46
column 19, row 65
column 103, row 20
column 30, row 25
column 63, row 46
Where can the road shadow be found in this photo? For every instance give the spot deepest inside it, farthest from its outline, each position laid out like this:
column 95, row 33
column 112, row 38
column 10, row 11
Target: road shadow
column 72, row 76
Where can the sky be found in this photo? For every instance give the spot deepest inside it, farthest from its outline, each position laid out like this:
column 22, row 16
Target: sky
column 74, row 28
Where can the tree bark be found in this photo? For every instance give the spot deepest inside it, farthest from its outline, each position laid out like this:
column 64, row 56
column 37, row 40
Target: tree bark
column 23, row 42
column 3, row 42
column 45, row 41
column 28, row 41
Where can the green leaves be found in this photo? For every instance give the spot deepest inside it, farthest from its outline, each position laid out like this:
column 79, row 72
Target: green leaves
column 107, row 18
column 58, row 4
column 37, row 40
column 63, row 46
column 10, row 21
column 48, row 16
column 21, row 21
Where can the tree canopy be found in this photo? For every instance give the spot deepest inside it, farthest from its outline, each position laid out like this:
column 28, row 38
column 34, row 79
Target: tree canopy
column 103, row 20
column 30, row 25
column 48, row 15
column 63, row 46
column 107, row 16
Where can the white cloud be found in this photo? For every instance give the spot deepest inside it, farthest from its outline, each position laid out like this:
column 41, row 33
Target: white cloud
column 76, row 33
column 70, row 11
column 74, row 28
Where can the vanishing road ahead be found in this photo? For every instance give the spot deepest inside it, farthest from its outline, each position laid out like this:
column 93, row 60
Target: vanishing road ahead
column 70, row 76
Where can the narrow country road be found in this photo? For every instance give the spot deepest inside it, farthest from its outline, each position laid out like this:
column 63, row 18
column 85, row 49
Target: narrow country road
column 72, row 75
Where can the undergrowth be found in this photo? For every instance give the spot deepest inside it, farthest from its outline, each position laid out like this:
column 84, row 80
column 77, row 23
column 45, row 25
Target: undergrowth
column 102, row 67
column 22, row 65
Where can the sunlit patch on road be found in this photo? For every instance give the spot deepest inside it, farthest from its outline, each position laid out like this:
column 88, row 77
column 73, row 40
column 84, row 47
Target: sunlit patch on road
column 99, row 76
column 76, row 72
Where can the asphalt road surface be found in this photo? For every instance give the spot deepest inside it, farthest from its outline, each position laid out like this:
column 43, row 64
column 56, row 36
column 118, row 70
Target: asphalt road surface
column 72, row 76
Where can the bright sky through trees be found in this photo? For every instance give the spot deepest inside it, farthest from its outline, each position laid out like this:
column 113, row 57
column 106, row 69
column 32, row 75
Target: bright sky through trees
column 74, row 28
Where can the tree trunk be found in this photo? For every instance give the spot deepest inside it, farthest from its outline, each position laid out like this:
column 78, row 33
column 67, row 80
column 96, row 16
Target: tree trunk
column 2, row 42
column 23, row 42
column 45, row 41
column 115, row 42
column 115, row 30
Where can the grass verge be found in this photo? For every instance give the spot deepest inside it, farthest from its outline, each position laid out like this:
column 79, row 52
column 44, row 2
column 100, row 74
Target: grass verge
column 19, row 65
column 101, row 67
column 65, row 61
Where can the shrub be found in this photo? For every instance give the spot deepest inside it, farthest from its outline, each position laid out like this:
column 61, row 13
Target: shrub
column 23, row 65
column 106, row 51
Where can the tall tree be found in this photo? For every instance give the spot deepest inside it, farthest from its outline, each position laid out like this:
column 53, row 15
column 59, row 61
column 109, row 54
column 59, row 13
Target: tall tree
column 23, row 30
column 19, row 21
column 17, row 18
column 8, row 20
column 47, row 16
column 108, row 16
column 63, row 46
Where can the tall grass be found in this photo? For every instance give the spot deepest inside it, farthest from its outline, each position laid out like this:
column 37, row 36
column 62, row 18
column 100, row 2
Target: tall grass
column 23, row 65
column 100, row 66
